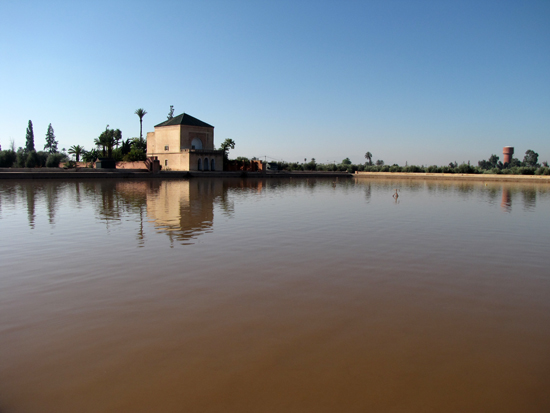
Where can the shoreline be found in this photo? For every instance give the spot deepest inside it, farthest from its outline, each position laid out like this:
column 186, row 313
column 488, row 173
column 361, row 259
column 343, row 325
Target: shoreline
column 55, row 173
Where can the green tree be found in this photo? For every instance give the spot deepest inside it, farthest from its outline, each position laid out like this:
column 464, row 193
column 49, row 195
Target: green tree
column 346, row 161
column 7, row 158
column 126, row 146
column 139, row 143
column 531, row 158
column 117, row 137
column 32, row 160
column 135, row 154
column 493, row 160
column 368, row 157
column 171, row 113
column 90, row 156
column 379, row 162
column 54, row 159
column 141, row 113
column 51, row 143
column 30, row 138
column 76, row 150
column 99, row 145
column 107, row 140
column 225, row 146
column 311, row 165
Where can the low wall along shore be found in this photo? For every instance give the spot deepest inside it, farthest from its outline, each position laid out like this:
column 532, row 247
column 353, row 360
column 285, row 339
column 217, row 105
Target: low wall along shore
column 460, row 177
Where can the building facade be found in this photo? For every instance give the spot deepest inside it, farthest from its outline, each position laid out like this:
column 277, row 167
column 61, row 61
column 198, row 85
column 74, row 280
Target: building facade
column 184, row 143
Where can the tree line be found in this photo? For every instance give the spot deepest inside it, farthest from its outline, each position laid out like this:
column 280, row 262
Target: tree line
column 529, row 166
column 108, row 144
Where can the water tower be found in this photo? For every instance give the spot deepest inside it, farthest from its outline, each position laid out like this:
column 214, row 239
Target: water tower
column 508, row 152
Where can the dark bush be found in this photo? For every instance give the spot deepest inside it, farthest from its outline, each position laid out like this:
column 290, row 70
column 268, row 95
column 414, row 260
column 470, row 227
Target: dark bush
column 135, row 155
column 413, row 169
column 41, row 158
column 465, row 169
column 32, row 160
column 54, row 159
column 527, row 170
column 7, row 159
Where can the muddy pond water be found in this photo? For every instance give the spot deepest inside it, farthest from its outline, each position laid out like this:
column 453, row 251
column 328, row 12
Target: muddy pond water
column 294, row 295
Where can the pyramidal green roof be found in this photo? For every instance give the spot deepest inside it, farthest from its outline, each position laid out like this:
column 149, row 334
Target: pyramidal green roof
column 184, row 119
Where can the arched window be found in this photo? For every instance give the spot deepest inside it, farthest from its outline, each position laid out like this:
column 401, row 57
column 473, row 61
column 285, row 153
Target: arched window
column 212, row 165
column 206, row 164
column 196, row 144
column 200, row 164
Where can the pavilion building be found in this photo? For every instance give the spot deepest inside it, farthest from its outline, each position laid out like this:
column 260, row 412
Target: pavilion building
column 184, row 143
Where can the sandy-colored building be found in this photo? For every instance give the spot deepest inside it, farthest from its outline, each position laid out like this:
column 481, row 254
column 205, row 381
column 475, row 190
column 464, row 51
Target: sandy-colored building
column 184, row 143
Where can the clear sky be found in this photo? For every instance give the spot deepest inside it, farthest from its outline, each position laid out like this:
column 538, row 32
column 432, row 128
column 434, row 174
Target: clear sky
column 423, row 82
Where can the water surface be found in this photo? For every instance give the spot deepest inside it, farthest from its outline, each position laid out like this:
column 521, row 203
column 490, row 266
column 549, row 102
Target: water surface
column 321, row 295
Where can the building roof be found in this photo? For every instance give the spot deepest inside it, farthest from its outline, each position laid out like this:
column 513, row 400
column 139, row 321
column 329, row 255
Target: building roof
column 184, row 119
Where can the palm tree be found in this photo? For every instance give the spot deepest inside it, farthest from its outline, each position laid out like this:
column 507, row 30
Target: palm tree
column 226, row 145
column 141, row 113
column 126, row 146
column 368, row 156
column 106, row 141
column 117, row 137
column 99, row 144
column 76, row 150
column 90, row 156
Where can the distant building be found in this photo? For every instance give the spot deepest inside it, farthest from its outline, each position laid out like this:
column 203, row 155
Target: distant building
column 508, row 153
column 184, row 143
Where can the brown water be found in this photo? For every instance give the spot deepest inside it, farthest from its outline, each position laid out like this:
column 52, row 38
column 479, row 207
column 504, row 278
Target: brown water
column 214, row 295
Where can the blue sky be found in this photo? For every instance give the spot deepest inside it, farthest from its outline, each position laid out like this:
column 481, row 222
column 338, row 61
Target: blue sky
column 423, row 82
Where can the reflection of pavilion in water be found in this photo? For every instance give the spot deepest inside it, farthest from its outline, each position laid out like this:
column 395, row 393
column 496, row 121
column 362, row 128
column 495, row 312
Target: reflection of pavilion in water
column 184, row 209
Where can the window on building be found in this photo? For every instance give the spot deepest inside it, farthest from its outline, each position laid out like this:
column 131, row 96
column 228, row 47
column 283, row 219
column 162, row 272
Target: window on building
column 196, row 143
column 166, row 162
column 166, row 148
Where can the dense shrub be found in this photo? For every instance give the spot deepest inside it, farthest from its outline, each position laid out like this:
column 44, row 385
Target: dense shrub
column 20, row 158
column 135, row 155
column 41, row 157
column 7, row 159
column 527, row 170
column 413, row 169
column 54, row 159
column 32, row 160
column 118, row 155
column 465, row 169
